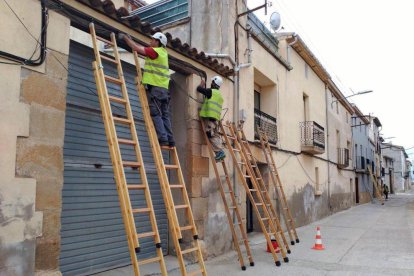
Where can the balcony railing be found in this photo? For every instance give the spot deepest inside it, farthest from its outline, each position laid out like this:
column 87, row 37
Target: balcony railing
column 312, row 137
column 343, row 158
column 360, row 164
column 266, row 123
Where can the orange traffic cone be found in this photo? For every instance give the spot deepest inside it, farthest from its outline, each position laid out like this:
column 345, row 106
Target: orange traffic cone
column 318, row 240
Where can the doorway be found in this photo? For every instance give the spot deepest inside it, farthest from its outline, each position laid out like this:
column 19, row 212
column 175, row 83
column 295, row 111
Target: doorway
column 356, row 190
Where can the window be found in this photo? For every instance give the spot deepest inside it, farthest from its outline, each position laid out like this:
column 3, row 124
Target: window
column 347, row 120
column 257, row 100
column 305, row 107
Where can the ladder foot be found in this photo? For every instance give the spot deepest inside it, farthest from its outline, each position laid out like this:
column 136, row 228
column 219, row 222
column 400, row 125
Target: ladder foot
column 288, row 251
column 195, row 237
column 180, row 240
column 277, row 263
column 243, row 267
column 292, row 242
column 297, row 240
column 137, row 250
column 251, row 263
column 158, row 245
column 286, row 259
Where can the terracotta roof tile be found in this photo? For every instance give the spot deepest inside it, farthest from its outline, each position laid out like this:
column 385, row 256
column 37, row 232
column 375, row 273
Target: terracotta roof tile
column 108, row 8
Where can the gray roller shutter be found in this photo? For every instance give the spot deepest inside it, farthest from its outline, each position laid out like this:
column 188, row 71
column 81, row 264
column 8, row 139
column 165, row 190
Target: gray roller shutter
column 93, row 235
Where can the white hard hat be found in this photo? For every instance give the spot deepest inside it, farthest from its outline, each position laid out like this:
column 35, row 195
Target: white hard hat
column 161, row 37
column 217, row 80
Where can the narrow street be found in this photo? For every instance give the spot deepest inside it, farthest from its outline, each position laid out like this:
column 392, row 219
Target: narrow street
column 369, row 239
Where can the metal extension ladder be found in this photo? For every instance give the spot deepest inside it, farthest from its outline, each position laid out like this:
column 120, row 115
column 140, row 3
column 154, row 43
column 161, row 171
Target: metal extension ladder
column 277, row 183
column 118, row 163
column 254, row 193
column 166, row 187
column 234, row 218
column 375, row 184
column 260, row 182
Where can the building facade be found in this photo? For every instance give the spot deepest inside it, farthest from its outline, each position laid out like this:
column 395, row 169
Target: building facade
column 59, row 207
column 400, row 170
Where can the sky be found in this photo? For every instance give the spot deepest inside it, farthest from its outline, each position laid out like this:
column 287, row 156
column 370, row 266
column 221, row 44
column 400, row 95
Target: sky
column 364, row 45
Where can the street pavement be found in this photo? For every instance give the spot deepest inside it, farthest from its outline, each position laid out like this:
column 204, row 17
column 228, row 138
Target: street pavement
column 369, row 239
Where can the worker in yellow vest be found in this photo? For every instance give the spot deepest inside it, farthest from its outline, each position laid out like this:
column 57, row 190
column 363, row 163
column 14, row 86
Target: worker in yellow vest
column 211, row 113
column 156, row 80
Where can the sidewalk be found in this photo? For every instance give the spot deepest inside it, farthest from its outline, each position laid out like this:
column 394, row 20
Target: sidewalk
column 369, row 239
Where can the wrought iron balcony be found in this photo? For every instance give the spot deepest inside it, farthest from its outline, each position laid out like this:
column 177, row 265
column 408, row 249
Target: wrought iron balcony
column 343, row 158
column 360, row 164
column 312, row 137
column 266, row 123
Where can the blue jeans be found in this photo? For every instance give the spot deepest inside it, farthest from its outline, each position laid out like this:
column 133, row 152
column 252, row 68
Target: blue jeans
column 159, row 105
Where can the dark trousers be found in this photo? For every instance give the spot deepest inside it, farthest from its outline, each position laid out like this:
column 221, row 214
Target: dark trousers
column 159, row 105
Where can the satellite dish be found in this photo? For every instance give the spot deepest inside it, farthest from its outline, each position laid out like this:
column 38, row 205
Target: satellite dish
column 275, row 21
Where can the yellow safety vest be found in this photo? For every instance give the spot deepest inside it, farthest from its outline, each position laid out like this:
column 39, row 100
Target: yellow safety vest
column 211, row 108
column 156, row 71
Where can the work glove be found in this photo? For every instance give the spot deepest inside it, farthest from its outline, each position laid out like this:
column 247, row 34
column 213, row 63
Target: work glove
column 122, row 36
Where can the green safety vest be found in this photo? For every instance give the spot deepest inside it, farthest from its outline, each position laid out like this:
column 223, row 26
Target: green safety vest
column 156, row 71
column 211, row 108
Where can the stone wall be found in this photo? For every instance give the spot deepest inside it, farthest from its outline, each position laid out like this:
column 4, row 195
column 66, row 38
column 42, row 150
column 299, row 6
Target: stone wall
column 40, row 156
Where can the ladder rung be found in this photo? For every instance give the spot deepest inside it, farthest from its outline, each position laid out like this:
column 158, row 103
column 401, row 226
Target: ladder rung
column 176, row 186
column 126, row 141
column 242, row 163
column 104, row 40
column 189, row 250
column 258, row 204
column 232, row 207
column 188, row 227
column 117, row 99
column 258, row 178
column 144, row 235
column 131, row 164
column 141, row 210
column 122, row 120
column 247, row 176
column 171, row 166
column 109, row 59
column 167, row 147
column 113, row 80
column 195, row 272
column 236, row 150
column 136, row 187
column 252, row 190
column 181, row 206
column 265, row 218
column 148, row 261
column 231, row 137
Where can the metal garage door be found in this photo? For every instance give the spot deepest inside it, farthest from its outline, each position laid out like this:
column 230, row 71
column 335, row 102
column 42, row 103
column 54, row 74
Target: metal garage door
column 93, row 235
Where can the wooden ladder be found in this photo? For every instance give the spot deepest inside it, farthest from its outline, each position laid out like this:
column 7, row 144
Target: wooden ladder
column 234, row 218
column 260, row 182
column 118, row 163
column 375, row 184
column 166, row 187
column 253, row 194
column 277, row 183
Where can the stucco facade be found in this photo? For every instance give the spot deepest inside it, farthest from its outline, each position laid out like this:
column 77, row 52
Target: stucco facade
column 292, row 89
column 400, row 170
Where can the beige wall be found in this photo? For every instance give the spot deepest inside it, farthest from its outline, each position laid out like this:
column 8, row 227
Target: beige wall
column 32, row 124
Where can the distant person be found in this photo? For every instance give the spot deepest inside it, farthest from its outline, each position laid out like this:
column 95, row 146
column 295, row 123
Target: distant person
column 210, row 113
column 386, row 191
column 156, row 80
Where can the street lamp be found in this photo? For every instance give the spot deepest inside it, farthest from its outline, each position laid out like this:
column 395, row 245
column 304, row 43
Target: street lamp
column 356, row 94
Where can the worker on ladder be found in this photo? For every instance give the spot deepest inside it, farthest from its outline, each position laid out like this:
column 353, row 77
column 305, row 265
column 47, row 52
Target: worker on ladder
column 211, row 113
column 156, row 80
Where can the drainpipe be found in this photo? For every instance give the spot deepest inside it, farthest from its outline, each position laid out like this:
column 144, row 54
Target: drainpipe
column 327, row 147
